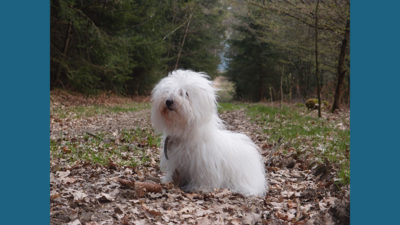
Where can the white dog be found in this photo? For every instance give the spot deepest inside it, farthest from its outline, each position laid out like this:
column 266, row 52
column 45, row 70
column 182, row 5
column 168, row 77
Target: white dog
column 198, row 152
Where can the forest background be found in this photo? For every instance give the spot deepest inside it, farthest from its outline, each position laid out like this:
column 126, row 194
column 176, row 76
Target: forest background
column 287, row 51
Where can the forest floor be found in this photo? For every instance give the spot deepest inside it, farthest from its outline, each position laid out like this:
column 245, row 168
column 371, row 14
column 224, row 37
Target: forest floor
column 104, row 166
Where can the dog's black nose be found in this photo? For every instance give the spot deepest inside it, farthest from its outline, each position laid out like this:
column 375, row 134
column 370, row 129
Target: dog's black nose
column 169, row 102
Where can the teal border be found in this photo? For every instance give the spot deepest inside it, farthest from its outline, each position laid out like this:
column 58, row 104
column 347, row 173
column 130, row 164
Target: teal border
column 24, row 94
column 375, row 135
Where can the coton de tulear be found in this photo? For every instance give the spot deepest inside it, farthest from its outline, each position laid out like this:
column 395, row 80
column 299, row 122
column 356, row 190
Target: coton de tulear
column 197, row 152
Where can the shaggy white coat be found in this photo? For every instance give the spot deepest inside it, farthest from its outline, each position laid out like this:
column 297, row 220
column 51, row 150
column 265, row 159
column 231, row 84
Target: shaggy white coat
column 202, row 154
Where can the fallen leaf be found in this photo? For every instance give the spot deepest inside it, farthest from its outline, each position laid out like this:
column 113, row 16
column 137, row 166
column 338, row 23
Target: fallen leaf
column 62, row 174
column 75, row 222
column 142, row 188
column 104, row 197
column 291, row 204
column 68, row 180
column 54, row 196
column 91, row 223
column 127, row 183
column 78, row 195
column 151, row 211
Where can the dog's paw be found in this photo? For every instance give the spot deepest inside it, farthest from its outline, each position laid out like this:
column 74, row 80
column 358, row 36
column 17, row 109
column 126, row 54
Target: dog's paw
column 166, row 179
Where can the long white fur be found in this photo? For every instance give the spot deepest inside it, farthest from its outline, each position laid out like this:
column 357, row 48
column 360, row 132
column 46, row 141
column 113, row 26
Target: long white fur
column 204, row 154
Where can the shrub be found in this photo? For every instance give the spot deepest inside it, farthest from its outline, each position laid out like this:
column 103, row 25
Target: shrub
column 312, row 104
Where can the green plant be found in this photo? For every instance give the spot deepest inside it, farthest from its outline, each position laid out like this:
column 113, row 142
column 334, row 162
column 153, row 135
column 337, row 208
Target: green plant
column 299, row 131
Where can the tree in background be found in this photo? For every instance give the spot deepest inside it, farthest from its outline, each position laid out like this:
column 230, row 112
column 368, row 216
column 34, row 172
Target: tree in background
column 341, row 67
column 197, row 44
column 127, row 46
column 251, row 66
column 288, row 28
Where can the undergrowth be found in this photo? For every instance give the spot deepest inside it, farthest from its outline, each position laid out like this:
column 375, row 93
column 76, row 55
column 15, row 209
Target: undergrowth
column 129, row 148
column 92, row 110
column 294, row 127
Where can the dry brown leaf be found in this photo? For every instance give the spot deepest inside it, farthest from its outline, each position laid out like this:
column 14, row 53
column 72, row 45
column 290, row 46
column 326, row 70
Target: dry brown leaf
column 104, row 197
column 127, row 183
column 291, row 204
column 54, row 196
column 62, row 174
column 149, row 187
column 75, row 222
column 91, row 223
column 151, row 211
column 66, row 150
column 68, row 180
column 301, row 222
column 281, row 216
column 79, row 195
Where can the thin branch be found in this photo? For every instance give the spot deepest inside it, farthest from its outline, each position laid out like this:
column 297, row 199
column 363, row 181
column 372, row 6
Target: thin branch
column 174, row 30
column 93, row 135
column 183, row 40
column 286, row 13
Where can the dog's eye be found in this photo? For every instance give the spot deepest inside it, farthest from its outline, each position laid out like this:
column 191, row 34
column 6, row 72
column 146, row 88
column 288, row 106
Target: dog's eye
column 187, row 94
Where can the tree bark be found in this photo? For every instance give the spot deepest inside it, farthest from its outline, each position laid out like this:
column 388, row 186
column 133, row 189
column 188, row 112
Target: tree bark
column 340, row 69
column 316, row 60
column 282, row 72
column 290, row 87
column 183, row 40
column 270, row 95
column 299, row 95
column 261, row 89
column 65, row 51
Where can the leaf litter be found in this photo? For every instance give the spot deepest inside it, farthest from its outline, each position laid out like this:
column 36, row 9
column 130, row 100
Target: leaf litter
column 86, row 192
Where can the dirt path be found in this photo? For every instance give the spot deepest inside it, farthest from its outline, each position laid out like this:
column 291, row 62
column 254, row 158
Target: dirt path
column 85, row 193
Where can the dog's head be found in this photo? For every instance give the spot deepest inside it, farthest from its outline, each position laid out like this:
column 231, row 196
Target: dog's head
column 182, row 100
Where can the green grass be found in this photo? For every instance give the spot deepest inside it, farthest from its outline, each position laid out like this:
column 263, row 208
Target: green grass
column 305, row 133
column 131, row 149
column 92, row 110
column 227, row 106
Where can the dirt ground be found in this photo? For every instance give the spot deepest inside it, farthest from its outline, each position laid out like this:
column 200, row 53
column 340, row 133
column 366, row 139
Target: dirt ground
column 88, row 193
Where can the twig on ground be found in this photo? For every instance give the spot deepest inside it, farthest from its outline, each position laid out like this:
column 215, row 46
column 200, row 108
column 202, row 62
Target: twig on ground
column 93, row 135
column 273, row 150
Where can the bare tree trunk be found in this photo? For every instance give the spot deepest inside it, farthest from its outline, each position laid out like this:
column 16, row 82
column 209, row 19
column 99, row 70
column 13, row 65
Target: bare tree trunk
column 348, row 90
column 290, row 87
column 316, row 60
column 340, row 69
column 65, row 51
column 282, row 72
column 299, row 95
column 173, row 22
column 183, row 40
column 270, row 94
column 261, row 87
